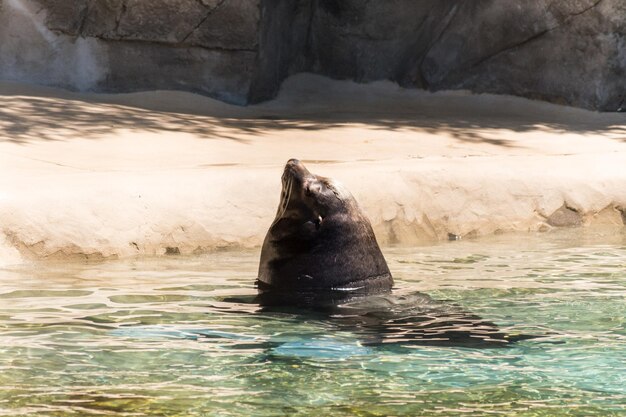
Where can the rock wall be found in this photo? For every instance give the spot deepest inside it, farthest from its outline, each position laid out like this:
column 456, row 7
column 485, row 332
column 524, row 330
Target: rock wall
column 207, row 46
column 566, row 51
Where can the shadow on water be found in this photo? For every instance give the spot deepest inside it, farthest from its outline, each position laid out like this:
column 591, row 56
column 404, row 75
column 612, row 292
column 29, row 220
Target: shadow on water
column 387, row 321
column 396, row 320
column 26, row 119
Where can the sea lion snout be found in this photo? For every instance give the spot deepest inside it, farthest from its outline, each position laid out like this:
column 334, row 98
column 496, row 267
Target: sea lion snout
column 295, row 170
column 302, row 188
column 298, row 182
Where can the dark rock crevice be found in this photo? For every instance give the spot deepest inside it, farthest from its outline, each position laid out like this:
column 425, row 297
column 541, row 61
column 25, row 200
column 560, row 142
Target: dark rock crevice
column 447, row 21
column 119, row 16
column 585, row 10
column 83, row 18
column 535, row 36
column 173, row 45
column 203, row 20
column 622, row 211
column 514, row 46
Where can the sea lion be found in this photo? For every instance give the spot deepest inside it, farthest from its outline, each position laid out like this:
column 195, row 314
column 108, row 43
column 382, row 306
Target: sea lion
column 320, row 241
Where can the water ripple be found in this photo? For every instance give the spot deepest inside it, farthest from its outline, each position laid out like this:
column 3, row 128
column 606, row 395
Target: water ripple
column 185, row 336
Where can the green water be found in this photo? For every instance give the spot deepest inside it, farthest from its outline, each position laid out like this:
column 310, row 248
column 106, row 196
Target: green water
column 183, row 337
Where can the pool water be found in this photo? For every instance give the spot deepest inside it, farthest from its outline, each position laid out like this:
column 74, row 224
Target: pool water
column 179, row 336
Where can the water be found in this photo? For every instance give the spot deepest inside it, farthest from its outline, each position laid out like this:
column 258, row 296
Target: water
column 184, row 337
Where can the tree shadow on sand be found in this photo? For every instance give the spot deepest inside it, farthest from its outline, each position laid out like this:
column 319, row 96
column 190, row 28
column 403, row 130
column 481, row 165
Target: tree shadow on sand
column 28, row 119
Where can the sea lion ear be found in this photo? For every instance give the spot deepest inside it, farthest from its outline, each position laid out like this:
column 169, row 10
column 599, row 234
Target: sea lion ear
column 338, row 189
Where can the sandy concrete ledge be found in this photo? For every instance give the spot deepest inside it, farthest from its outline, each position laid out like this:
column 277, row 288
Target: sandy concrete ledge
column 98, row 176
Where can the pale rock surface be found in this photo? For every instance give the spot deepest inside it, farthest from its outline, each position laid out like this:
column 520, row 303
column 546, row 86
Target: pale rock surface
column 98, row 176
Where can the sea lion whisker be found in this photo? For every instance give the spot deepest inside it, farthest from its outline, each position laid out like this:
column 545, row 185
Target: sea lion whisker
column 285, row 202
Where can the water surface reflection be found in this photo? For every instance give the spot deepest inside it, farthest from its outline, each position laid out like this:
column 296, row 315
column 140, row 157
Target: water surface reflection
column 185, row 336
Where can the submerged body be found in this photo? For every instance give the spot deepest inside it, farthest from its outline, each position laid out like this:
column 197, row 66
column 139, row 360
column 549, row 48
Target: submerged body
column 394, row 320
column 320, row 240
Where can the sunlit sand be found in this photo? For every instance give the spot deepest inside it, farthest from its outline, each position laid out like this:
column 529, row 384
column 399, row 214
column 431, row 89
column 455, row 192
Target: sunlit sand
column 97, row 176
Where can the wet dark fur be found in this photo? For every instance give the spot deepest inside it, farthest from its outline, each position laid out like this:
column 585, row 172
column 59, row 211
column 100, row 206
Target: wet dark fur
column 320, row 240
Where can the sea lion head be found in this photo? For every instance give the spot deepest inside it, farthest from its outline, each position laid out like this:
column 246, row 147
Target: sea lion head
column 307, row 199
column 320, row 239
